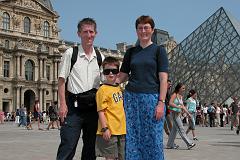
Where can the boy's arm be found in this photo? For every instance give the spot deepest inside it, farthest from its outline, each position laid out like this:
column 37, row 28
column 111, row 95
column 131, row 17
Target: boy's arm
column 103, row 121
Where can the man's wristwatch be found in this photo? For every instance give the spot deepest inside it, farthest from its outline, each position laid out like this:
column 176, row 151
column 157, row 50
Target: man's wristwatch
column 161, row 100
column 104, row 129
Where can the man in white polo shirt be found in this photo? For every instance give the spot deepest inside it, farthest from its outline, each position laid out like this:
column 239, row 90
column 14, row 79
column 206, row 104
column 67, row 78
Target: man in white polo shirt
column 78, row 110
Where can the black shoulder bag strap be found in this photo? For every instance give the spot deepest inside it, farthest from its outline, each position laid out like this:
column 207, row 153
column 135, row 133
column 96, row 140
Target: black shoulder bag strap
column 73, row 61
column 74, row 57
column 99, row 57
column 130, row 54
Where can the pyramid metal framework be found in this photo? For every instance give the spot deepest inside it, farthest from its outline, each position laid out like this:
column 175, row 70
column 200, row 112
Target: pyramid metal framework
column 208, row 60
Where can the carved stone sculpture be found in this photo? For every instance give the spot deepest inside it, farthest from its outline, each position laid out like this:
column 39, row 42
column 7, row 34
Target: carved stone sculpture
column 55, row 29
column 28, row 45
column 31, row 4
column 38, row 24
column 16, row 20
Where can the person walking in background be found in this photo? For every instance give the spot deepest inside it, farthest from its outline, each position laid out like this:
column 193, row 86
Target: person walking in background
column 44, row 117
column 205, row 115
column 224, row 111
column 199, row 116
column 29, row 121
column 17, row 116
column 234, row 111
column 25, row 113
column 176, row 107
column 110, row 141
column 218, row 111
column 211, row 113
column 238, row 121
column 79, row 112
column 168, row 120
column 1, row 117
column 144, row 96
column 37, row 114
column 191, row 105
column 20, row 115
column 23, row 116
column 52, row 111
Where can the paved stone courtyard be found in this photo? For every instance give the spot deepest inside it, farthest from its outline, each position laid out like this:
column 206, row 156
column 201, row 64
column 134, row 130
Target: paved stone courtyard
column 21, row 144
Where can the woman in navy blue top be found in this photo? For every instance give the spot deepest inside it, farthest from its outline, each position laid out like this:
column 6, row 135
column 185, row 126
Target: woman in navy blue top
column 146, row 69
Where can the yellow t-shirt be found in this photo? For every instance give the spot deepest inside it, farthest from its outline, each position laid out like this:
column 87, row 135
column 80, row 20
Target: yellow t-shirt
column 110, row 99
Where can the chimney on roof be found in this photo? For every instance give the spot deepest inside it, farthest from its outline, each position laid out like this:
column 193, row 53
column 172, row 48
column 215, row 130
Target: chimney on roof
column 121, row 46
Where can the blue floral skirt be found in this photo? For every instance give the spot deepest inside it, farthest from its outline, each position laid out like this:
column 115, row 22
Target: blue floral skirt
column 144, row 138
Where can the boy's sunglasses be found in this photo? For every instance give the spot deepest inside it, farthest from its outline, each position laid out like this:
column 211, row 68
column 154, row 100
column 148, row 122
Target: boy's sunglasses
column 107, row 71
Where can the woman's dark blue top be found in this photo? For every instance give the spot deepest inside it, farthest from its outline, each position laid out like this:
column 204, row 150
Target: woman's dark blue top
column 143, row 66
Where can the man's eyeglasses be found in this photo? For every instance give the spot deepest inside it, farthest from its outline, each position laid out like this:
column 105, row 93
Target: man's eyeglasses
column 108, row 71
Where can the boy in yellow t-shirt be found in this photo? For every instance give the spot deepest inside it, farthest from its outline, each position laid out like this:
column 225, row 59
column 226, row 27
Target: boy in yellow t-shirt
column 110, row 141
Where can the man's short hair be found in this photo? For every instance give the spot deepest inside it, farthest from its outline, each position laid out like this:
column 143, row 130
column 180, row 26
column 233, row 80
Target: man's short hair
column 89, row 21
column 111, row 60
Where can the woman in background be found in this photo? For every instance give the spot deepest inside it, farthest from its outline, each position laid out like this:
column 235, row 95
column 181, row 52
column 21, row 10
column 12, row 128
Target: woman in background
column 176, row 106
column 192, row 109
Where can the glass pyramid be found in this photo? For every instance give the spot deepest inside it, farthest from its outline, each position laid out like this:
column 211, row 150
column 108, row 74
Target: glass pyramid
column 208, row 60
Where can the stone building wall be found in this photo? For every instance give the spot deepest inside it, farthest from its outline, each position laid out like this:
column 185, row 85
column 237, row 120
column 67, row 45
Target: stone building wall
column 18, row 47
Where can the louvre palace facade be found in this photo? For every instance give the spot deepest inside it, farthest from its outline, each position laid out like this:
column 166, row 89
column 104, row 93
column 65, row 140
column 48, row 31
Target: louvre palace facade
column 29, row 56
column 30, row 53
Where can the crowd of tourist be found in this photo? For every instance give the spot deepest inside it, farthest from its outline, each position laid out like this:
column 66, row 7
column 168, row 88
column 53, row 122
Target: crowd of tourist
column 215, row 115
column 24, row 118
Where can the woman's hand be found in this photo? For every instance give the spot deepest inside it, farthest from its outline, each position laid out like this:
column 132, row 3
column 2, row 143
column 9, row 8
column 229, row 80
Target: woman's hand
column 186, row 111
column 159, row 111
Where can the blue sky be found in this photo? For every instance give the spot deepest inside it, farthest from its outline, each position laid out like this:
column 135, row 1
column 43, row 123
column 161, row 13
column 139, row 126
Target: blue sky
column 116, row 18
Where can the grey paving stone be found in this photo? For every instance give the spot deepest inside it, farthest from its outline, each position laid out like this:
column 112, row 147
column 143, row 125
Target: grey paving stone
column 21, row 144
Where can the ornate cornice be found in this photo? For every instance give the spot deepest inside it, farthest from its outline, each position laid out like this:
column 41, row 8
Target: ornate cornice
column 25, row 44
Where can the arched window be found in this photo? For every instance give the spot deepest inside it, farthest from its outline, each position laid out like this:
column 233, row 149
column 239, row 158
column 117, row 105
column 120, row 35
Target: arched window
column 6, row 21
column 46, row 29
column 29, row 70
column 27, row 25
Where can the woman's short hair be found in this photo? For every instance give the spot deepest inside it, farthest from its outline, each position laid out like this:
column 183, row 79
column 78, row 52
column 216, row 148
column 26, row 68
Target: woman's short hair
column 144, row 20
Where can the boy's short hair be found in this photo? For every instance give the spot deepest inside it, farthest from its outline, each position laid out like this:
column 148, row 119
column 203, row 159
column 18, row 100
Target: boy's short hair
column 89, row 21
column 110, row 60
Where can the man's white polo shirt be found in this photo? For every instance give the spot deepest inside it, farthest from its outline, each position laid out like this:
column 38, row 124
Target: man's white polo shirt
column 85, row 73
